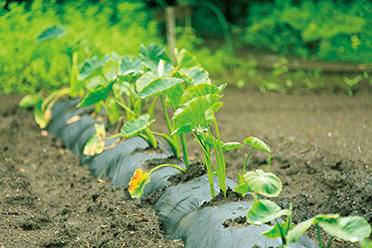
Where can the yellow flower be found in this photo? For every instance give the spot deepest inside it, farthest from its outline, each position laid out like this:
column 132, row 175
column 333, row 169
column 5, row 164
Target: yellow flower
column 138, row 182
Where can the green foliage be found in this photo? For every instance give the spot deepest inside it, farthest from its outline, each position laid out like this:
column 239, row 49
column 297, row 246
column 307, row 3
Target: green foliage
column 91, row 30
column 326, row 29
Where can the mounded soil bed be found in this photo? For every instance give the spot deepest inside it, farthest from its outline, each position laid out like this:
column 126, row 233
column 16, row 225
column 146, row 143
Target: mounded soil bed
column 321, row 151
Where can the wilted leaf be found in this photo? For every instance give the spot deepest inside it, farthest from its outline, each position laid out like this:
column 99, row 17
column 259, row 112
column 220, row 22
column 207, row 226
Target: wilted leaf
column 94, row 146
column 42, row 117
column 137, row 183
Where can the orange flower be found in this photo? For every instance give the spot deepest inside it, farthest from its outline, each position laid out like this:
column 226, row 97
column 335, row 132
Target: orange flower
column 137, row 182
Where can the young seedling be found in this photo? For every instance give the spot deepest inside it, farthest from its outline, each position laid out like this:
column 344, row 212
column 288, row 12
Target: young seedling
column 351, row 84
column 351, row 228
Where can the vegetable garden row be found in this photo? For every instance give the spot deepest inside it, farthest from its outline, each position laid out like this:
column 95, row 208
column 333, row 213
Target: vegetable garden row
column 107, row 121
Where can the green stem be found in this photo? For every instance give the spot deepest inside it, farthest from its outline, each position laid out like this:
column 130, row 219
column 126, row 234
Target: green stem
column 319, row 236
column 210, row 176
column 204, row 149
column 330, row 242
column 170, row 142
column 166, row 165
column 221, row 159
column 114, row 136
column 128, row 110
column 150, row 138
column 284, row 241
column 152, row 108
column 246, row 160
column 184, row 150
column 169, row 125
column 52, row 98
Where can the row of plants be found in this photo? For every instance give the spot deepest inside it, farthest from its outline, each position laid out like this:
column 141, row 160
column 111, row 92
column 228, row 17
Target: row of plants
column 123, row 91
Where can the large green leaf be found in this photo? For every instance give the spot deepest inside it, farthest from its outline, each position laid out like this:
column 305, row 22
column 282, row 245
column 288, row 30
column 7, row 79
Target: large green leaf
column 351, row 228
column 136, row 126
column 274, row 232
column 263, row 211
column 199, row 90
column 130, row 65
column 145, row 79
column 263, row 183
column 229, row 146
column 91, row 65
column 30, row 100
column 51, row 32
column 99, row 94
column 257, row 144
column 298, row 230
column 158, row 86
column 193, row 112
column 194, row 75
column 185, row 59
column 242, row 188
column 152, row 55
column 174, row 95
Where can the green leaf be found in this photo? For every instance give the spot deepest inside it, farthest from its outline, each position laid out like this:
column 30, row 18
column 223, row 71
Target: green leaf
column 42, row 117
column 91, row 65
column 195, row 75
column 274, row 232
column 130, row 65
column 113, row 111
column 257, row 144
column 366, row 243
column 152, row 55
column 351, row 228
column 229, row 146
column 29, row 101
column 145, row 79
column 93, row 97
column 121, row 88
column 298, row 230
column 50, row 33
column 209, row 114
column 263, row 211
column 158, row 87
column 185, row 59
column 242, row 188
column 174, row 95
column 136, row 126
column 201, row 89
column 263, row 183
column 193, row 112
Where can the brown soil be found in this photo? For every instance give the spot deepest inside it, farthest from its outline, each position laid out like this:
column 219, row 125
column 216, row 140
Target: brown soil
column 46, row 200
column 321, row 148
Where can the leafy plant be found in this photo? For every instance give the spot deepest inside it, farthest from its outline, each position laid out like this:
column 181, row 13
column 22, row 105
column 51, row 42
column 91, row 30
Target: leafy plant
column 351, row 84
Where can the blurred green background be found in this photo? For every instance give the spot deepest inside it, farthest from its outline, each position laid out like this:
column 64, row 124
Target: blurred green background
column 277, row 45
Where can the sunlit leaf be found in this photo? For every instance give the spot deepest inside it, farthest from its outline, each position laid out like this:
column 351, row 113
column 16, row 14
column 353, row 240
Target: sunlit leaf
column 99, row 94
column 263, row 211
column 209, row 114
column 351, row 228
column 158, row 87
column 174, row 95
column 194, row 75
column 136, row 126
column 301, row 228
column 242, row 188
column 51, row 32
column 130, row 65
column 145, row 79
column 257, row 144
column 263, row 183
column 229, row 146
column 29, row 101
column 185, row 59
column 366, row 243
column 201, row 89
column 193, row 112
column 274, row 232
column 91, row 65
column 152, row 55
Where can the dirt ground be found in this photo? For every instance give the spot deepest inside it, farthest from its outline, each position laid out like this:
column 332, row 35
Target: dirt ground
column 321, row 148
column 47, row 200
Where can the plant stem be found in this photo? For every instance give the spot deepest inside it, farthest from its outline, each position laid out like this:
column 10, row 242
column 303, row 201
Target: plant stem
column 166, row 165
column 128, row 110
column 170, row 142
column 114, row 136
column 210, row 176
column 184, row 150
column 221, row 160
column 169, row 125
column 330, row 242
column 246, row 160
column 150, row 138
column 284, row 241
column 319, row 236
column 52, row 98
